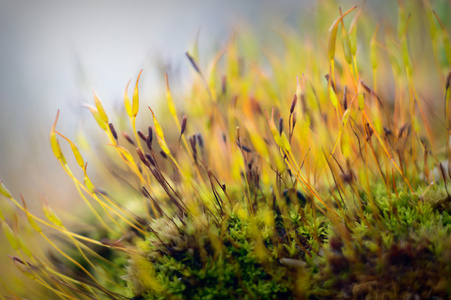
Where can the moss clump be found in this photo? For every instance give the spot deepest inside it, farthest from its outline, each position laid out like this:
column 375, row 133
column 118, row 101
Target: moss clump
column 402, row 252
column 207, row 263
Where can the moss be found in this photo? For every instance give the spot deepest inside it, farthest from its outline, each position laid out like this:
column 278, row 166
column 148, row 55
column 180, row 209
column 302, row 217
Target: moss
column 190, row 266
column 403, row 256
column 405, row 253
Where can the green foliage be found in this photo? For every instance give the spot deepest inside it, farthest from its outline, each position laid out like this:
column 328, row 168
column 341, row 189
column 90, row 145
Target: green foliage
column 404, row 254
column 401, row 251
column 192, row 268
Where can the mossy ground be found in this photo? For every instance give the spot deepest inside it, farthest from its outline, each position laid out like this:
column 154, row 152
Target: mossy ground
column 401, row 251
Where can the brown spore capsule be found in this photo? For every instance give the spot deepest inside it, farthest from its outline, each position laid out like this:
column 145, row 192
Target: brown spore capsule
column 113, row 131
column 141, row 156
column 150, row 159
column 163, row 154
column 280, row 125
column 293, row 103
column 141, row 135
column 183, row 127
column 128, row 138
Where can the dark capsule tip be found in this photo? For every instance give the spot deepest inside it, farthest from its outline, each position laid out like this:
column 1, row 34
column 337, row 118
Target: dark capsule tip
column 193, row 62
column 113, row 131
column 163, row 154
column 183, row 127
column 150, row 159
column 141, row 135
column 128, row 138
column 448, row 80
column 345, row 100
column 150, row 133
column 200, row 140
column 293, row 103
column 280, row 125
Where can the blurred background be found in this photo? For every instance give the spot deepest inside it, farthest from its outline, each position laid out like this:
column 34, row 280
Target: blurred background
column 53, row 53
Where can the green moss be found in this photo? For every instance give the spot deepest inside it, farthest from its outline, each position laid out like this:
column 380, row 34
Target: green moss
column 403, row 252
column 190, row 266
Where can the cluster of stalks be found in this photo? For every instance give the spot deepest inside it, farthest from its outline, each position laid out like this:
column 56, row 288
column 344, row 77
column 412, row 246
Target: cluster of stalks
column 330, row 121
